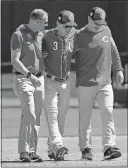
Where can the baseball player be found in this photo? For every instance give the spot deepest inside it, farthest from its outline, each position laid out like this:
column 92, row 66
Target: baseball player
column 58, row 44
column 28, row 81
column 95, row 52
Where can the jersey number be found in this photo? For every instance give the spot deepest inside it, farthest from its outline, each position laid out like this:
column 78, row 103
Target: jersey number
column 55, row 46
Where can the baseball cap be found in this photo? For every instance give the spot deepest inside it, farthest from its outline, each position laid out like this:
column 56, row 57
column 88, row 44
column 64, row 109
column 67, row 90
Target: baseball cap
column 66, row 17
column 39, row 14
column 98, row 15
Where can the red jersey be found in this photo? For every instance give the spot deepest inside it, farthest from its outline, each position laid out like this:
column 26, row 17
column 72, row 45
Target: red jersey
column 95, row 53
column 58, row 61
column 29, row 45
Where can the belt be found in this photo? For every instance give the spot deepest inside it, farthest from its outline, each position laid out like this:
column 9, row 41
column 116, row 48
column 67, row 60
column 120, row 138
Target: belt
column 36, row 74
column 52, row 77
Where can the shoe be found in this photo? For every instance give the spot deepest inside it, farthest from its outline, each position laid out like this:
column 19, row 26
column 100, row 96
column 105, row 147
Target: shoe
column 51, row 156
column 87, row 154
column 34, row 157
column 61, row 151
column 112, row 153
column 24, row 157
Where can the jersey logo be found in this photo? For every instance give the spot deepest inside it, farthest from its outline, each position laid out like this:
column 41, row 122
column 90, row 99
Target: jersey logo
column 102, row 15
column 105, row 39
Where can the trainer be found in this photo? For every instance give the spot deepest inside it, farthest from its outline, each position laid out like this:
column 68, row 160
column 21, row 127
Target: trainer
column 28, row 81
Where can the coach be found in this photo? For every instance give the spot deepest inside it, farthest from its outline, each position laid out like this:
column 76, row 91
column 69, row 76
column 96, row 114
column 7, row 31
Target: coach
column 95, row 52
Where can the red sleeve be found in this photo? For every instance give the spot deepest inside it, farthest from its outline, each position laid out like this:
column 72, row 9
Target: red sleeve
column 16, row 41
column 115, row 56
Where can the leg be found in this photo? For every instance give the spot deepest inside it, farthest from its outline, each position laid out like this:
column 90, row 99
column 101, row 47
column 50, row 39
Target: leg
column 25, row 91
column 105, row 101
column 86, row 100
column 39, row 99
column 51, row 112
column 63, row 105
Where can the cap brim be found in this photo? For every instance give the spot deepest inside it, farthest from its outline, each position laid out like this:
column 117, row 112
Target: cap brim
column 100, row 22
column 71, row 23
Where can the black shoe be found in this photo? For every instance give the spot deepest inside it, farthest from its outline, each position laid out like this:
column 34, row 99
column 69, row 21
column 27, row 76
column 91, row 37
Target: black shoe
column 24, row 157
column 61, row 151
column 112, row 153
column 87, row 154
column 51, row 156
column 34, row 157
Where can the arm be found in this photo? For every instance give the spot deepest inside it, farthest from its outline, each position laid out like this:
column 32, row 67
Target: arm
column 75, row 46
column 116, row 61
column 44, row 52
column 115, row 56
column 16, row 47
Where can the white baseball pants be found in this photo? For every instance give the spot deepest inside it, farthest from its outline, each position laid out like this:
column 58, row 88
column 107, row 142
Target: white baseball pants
column 57, row 96
column 31, row 99
column 104, row 97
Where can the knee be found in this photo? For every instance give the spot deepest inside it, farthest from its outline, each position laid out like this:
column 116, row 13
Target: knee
column 108, row 110
column 108, row 113
column 28, row 119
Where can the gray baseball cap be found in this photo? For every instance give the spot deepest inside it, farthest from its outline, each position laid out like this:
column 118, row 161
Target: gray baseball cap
column 98, row 15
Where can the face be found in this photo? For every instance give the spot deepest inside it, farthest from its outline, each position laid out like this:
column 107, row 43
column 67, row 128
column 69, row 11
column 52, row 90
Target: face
column 40, row 25
column 63, row 30
column 93, row 26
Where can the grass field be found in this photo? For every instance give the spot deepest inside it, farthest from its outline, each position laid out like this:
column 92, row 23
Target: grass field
column 10, row 127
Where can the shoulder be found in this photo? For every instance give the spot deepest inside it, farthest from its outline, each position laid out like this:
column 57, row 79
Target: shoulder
column 16, row 37
column 49, row 32
column 16, row 34
column 106, row 28
column 72, row 33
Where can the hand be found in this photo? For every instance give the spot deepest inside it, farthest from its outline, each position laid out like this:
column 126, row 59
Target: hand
column 44, row 54
column 119, row 77
column 35, row 81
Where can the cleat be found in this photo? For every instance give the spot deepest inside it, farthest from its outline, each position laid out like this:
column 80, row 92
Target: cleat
column 61, row 151
column 34, row 157
column 111, row 153
column 51, row 156
column 87, row 154
column 24, row 157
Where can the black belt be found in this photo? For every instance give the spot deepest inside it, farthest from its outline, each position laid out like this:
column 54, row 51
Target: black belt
column 56, row 78
column 36, row 74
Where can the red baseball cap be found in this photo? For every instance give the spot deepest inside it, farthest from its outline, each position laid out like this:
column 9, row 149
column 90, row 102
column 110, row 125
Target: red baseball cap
column 98, row 15
column 67, row 18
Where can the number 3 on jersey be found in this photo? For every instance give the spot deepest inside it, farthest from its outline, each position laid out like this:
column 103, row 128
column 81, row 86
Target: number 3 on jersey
column 55, row 46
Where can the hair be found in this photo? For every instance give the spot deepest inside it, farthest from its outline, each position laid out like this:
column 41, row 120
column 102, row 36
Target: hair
column 38, row 14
